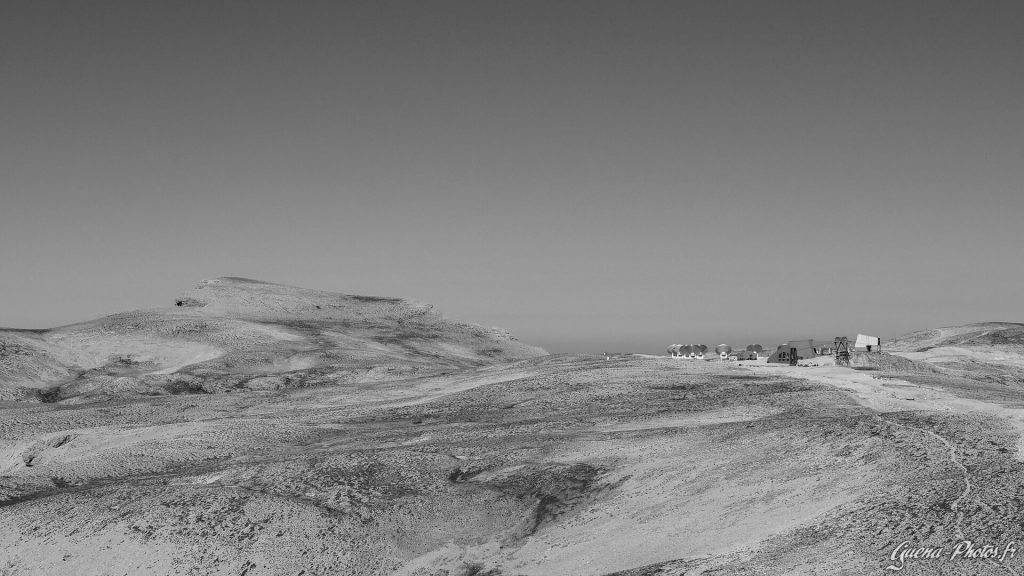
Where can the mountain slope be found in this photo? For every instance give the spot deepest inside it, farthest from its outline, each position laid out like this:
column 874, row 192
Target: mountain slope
column 235, row 333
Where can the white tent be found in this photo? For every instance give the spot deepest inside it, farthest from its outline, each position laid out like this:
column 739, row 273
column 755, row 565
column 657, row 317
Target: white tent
column 868, row 343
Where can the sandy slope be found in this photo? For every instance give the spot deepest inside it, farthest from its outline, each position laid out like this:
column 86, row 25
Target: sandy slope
column 968, row 335
column 989, row 351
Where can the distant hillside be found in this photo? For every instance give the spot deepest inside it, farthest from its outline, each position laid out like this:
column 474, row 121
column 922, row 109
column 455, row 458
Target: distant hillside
column 234, row 333
column 981, row 334
column 991, row 352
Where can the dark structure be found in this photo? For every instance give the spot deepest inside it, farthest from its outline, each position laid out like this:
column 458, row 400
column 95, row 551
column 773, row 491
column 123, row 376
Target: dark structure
column 842, row 350
column 190, row 302
column 792, row 352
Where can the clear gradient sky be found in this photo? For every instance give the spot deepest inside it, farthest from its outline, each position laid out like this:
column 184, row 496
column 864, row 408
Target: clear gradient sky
column 590, row 175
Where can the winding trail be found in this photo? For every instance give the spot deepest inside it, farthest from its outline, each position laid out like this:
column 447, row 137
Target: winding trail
column 871, row 394
column 955, row 505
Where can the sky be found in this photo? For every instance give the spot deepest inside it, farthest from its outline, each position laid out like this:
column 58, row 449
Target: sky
column 590, row 175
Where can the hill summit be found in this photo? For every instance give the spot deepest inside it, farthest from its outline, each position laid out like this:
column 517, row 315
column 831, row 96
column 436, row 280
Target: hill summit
column 236, row 334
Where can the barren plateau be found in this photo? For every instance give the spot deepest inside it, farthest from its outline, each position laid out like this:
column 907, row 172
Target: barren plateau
column 256, row 429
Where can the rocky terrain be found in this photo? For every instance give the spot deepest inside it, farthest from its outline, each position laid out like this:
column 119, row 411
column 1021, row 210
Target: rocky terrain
column 326, row 434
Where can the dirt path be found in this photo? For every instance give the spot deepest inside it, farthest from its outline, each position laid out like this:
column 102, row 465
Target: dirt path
column 890, row 394
column 955, row 505
column 882, row 395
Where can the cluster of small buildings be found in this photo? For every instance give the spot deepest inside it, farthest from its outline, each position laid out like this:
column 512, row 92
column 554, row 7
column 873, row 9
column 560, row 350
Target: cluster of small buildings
column 787, row 353
column 722, row 352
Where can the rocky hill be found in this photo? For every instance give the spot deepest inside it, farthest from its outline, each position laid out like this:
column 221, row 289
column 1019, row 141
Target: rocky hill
column 981, row 334
column 991, row 352
column 235, row 334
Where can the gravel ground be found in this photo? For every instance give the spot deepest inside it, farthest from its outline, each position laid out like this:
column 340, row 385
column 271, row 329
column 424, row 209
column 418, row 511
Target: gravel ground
column 552, row 465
